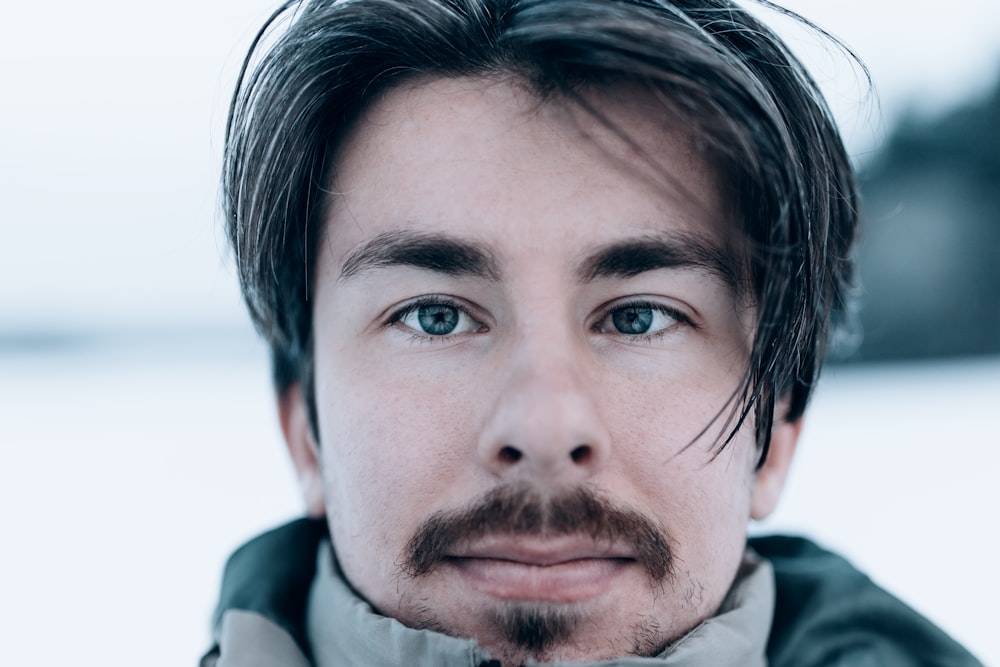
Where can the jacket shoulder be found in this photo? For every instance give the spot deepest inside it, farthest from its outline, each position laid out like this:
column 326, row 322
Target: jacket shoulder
column 829, row 614
column 271, row 576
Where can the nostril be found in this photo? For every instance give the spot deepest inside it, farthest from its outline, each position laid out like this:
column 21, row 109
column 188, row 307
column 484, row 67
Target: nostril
column 510, row 454
column 581, row 454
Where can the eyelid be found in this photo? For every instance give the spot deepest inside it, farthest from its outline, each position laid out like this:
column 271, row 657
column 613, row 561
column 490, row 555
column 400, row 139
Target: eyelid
column 406, row 307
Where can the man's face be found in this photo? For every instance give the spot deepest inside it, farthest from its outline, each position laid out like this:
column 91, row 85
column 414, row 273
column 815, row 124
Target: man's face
column 523, row 338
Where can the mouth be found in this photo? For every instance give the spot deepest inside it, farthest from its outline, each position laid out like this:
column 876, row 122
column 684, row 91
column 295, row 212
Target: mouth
column 561, row 570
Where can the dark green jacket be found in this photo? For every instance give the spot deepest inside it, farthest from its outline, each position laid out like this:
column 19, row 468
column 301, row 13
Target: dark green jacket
column 827, row 613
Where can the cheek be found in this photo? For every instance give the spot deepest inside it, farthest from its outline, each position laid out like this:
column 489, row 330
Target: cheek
column 703, row 503
column 657, row 406
column 391, row 447
column 705, row 511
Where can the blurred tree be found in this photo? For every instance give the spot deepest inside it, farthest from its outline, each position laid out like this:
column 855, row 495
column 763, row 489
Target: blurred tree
column 930, row 253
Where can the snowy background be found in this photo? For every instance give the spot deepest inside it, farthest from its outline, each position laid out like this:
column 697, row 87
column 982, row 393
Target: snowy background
column 138, row 444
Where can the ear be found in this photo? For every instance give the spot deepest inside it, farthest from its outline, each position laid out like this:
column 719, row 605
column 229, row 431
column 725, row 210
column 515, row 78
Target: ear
column 302, row 447
column 771, row 476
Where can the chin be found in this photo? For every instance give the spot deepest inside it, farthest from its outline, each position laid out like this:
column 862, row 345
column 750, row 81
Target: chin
column 518, row 632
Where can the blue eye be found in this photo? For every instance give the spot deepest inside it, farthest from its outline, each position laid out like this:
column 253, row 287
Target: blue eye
column 632, row 320
column 639, row 319
column 436, row 317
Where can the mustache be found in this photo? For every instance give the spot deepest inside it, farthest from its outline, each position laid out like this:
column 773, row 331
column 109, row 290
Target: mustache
column 520, row 510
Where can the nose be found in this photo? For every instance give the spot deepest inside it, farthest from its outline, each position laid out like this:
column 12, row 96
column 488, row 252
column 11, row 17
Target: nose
column 545, row 422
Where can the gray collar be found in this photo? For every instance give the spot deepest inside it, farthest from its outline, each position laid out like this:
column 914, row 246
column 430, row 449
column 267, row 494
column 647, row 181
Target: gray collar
column 344, row 630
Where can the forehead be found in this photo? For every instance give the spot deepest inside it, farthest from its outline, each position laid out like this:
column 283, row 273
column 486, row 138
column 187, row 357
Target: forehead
column 490, row 160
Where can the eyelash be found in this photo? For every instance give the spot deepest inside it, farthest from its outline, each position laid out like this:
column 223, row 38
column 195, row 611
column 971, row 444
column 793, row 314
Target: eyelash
column 432, row 300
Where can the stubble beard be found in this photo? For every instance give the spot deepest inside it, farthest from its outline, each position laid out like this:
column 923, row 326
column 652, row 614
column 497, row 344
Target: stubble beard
column 542, row 633
column 536, row 632
column 535, row 628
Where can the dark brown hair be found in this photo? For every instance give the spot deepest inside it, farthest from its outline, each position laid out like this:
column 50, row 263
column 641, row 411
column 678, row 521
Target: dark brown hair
column 732, row 80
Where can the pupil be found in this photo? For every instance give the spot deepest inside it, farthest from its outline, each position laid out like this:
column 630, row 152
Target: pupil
column 633, row 319
column 438, row 319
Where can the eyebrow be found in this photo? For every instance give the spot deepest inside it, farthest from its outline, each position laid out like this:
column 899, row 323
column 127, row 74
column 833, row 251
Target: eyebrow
column 433, row 252
column 632, row 257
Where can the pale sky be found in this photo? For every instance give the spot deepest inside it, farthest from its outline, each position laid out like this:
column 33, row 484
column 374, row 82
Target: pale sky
column 111, row 130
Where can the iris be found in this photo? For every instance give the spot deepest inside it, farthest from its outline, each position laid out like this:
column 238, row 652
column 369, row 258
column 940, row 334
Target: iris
column 632, row 319
column 438, row 319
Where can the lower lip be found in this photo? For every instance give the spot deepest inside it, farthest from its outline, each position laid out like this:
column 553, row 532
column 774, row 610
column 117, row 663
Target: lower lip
column 571, row 581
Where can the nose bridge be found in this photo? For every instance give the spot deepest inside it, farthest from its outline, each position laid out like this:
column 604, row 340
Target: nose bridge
column 545, row 367
column 545, row 419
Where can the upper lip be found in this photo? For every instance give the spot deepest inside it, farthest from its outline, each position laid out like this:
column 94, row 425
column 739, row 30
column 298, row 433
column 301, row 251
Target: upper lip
column 541, row 551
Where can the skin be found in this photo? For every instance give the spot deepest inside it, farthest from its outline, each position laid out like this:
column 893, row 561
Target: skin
column 536, row 386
